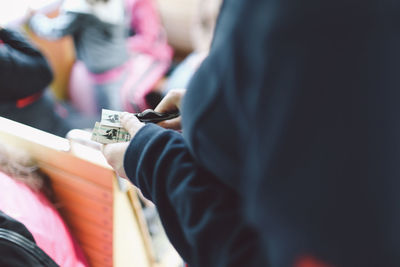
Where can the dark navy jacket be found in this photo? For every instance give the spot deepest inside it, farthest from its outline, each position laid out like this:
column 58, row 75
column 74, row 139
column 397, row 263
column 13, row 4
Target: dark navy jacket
column 291, row 134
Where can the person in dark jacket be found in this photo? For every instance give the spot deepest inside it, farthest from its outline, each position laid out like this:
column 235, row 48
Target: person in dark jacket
column 24, row 76
column 293, row 113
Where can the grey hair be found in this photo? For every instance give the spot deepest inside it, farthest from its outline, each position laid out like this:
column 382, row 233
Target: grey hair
column 18, row 164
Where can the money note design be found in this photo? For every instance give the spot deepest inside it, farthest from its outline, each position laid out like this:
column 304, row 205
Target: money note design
column 110, row 130
column 110, row 118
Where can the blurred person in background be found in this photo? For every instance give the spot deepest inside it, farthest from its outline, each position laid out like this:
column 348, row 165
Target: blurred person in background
column 105, row 51
column 202, row 31
column 24, row 78
column 290, row 145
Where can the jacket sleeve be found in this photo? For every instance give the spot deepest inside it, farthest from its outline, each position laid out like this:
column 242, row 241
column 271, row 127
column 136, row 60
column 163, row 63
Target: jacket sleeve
column 23, row 68
column 55, row 28
column 202, row 217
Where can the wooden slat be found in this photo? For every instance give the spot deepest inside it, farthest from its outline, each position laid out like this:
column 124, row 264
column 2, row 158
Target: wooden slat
column 85, row 170
column 81, row 227
column 77, row 184
column 90, row 216
column 95, row 244
column 92, row 237
column 67, row 197
column 95, row 256
column 94, row 263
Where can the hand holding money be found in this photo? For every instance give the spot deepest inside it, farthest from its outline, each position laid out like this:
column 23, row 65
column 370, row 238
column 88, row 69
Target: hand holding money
column 115, row 127
column 114, row 130
column 114, row 154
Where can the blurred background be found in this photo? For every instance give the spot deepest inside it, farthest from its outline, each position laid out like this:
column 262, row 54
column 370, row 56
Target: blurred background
column 188, row 26
column 165, row 42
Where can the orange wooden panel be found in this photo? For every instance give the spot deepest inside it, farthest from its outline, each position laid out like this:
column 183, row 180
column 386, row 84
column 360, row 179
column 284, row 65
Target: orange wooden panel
column 85, row 228
column 93, row 235
column 67, row 197
column 89, row 216
column 95, row 244
column 94, row 263
column 77, row 167
column 79, row 185
column 99, row 258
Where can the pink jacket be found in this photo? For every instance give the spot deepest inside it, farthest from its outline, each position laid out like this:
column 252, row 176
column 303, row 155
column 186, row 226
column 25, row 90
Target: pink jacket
column 36, row 212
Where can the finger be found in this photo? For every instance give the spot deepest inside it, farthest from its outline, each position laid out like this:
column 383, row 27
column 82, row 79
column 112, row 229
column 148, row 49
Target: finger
column 131, row 123
column 173, row 124
column 114, row 154
column 125, row 116
column 171, row 101
column 165, row 105
column 107, row 152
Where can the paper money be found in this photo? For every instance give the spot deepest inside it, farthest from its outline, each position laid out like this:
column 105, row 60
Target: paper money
column 107, row 134
column 110, row 130
column 111, row 118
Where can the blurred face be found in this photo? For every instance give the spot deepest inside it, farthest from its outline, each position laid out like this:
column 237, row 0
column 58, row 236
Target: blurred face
column 210, row 10
column 204, row 23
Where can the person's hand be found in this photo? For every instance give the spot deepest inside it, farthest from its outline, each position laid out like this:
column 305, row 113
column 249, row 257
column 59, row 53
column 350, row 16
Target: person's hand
column 114, row 153
column 131, row 123
column 171, row 102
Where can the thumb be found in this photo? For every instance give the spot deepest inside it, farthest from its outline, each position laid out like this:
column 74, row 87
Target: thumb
column 171, row 101
column 173, row 124
column 131, row 123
